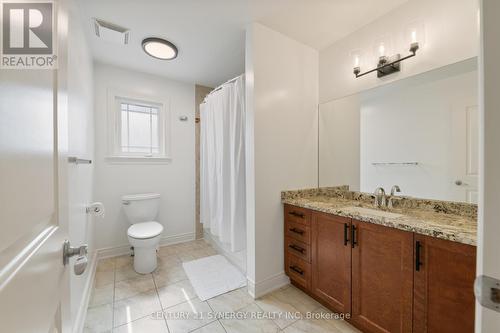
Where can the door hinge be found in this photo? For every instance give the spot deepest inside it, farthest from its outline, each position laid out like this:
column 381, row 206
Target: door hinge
column 487, row 292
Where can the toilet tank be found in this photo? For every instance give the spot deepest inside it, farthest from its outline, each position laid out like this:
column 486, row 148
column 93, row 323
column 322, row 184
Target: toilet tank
column 141, row 207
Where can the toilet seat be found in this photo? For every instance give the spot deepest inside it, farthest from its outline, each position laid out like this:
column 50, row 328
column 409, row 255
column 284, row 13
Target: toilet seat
column 145, row 230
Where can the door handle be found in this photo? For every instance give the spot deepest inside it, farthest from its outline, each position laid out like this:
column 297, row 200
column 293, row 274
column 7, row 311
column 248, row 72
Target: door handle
column 296, row 214
column 81, row 261
column 297, row 248
column 297, row 270
column 418, row 263
column 487, row 292
column 297, row 231
column 76, row 160
column 346, row 232
column 353, row 236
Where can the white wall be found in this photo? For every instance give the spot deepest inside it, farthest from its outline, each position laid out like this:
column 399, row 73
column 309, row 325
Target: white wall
column 417, row 122
column 451, row 35
column 81, row 144
column 175, row 181
column 282, row 97
column 489, row 208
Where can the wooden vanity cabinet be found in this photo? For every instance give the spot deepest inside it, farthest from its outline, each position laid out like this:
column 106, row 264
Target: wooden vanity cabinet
column 382, row 278
column 443, row 295
column 389, row 280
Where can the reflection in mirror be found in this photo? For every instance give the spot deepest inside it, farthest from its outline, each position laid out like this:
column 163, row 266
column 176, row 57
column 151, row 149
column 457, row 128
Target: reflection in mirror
column 420, row 133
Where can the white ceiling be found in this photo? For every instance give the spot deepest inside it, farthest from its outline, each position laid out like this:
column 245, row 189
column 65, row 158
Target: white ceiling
column 210, row 34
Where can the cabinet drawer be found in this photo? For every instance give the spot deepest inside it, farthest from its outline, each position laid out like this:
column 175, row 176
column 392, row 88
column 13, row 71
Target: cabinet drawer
column 298, row 231
column 297, row 215
column 298, row 270
column 297, row 248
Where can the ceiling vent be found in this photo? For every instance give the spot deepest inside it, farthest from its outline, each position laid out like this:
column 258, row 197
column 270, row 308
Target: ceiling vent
column 111, row 32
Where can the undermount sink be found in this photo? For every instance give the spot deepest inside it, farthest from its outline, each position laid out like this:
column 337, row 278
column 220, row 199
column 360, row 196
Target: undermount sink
column 373, row 212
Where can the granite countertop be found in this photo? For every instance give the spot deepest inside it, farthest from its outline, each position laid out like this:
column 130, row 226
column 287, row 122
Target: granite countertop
column 446, row 220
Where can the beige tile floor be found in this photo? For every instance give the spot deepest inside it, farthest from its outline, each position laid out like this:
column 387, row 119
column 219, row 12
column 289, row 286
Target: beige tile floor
column 126, row 302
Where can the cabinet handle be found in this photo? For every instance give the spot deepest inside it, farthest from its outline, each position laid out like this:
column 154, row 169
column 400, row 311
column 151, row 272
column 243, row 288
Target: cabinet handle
column 297, row 248
column 297, row 231
column 353, row 236
column 296, row 214
column 346, row 232
column 297, row 270
column 418, row 263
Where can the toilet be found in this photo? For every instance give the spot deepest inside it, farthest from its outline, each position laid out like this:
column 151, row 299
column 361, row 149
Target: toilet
column 144, row 232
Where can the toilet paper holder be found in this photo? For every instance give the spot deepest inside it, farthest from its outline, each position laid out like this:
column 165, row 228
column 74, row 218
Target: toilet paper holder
column 95, row 208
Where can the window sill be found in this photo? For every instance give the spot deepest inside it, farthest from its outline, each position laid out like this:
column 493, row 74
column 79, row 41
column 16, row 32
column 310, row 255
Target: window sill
column 137, row 160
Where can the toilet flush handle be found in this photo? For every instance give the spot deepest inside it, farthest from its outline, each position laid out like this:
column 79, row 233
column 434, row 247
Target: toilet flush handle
column 126, row 202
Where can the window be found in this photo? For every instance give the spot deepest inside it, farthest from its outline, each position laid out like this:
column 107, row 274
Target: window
column 138, row 129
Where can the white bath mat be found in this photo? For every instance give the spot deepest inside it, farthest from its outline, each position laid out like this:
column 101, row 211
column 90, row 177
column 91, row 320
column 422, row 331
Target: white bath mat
column 213, row 276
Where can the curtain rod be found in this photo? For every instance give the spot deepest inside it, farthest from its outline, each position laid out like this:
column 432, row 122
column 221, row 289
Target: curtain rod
column 220, row 86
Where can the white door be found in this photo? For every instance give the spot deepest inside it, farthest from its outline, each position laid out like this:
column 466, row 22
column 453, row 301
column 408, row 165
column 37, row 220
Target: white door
column 488, row 255
column 34, row 282
column 465, row 150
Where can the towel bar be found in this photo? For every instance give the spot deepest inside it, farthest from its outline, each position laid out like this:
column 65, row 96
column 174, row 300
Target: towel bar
column 76, row 160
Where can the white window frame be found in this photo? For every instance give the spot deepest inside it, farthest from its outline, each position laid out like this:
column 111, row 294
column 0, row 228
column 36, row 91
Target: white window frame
column 115, row 154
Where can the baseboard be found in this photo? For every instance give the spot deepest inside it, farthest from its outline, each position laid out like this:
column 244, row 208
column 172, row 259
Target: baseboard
column 121, row 250
column 110, row 252
column 181, row 238
column 261, row 288
column 251, row 287
column 84, row 302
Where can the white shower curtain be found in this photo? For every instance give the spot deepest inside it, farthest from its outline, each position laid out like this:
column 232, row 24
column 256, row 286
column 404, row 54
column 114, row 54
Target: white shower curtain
column 222, row 164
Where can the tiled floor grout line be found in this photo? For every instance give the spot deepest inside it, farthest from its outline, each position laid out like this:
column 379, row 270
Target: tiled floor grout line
column 113, row 302
column 122, row 299
column 274, row 322
column 157, row 295
column 161, row 305
column 222, row 325
column 195, row 329
column 137, row 319
column 218, row 320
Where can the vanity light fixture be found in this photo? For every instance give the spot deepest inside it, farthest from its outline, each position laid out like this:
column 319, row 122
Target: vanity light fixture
column 159, row 48
column 387, row 65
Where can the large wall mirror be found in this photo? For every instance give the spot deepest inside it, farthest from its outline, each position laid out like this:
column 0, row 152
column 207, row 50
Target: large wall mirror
column 421, row 133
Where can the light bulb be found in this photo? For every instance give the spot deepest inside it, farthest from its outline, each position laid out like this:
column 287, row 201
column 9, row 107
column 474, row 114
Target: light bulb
column 381, row 49
column 414, row 36
column 415, row 33
column 356, row 61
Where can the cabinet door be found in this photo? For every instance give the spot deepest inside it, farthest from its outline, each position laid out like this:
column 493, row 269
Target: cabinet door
column 444, row 286
column 382, row 278
column 331, row 260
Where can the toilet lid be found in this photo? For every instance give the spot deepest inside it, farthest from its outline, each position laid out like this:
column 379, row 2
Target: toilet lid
column 145, row 230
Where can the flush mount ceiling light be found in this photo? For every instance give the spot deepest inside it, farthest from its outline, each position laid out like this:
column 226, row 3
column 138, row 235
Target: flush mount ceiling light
column 159, row 48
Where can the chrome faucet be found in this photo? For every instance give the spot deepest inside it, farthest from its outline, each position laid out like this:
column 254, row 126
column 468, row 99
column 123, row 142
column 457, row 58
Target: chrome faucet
column 395, row 189
column 380, row 198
